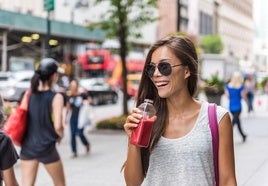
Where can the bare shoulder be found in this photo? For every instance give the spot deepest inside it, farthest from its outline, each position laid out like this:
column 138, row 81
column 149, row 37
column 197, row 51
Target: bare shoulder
column 225, row 125
column 58, row 98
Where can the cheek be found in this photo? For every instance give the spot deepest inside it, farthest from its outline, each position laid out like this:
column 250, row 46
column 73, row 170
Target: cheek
column 174, row 83
column 177, row 82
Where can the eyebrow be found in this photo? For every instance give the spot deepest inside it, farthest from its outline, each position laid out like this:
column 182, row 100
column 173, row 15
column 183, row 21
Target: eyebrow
column 162, row 60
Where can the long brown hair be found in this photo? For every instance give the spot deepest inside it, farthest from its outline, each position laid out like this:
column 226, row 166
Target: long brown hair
column 184, row 50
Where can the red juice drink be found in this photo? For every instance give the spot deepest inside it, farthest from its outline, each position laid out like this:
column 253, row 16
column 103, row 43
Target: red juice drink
column 142, row 134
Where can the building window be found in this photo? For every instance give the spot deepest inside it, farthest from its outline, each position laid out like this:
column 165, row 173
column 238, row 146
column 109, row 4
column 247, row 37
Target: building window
column 205, row 23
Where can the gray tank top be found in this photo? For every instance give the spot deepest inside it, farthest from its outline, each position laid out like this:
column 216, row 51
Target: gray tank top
column 185, row 161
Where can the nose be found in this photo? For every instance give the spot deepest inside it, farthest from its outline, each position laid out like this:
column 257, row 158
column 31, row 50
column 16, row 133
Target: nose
column 156, row 72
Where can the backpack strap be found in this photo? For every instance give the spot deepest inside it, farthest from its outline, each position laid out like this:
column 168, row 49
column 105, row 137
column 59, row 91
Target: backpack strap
column 213, row 124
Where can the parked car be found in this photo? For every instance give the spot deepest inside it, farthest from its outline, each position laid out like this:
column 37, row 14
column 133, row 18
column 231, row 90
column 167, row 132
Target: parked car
column 14, row 84
column 100, row 91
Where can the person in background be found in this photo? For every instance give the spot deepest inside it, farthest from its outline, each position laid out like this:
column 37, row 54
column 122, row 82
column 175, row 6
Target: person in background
column 180, row 149
column 74, row 102
column 250, row 87
column 44, row 126
column 8, row 154
column 235, row 92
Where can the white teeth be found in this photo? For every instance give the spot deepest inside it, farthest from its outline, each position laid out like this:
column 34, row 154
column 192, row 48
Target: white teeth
column 161, row 83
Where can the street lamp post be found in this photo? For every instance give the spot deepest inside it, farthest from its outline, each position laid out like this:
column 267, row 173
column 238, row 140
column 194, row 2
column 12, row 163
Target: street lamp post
column 4, row 51
column 48, row 6
column 48, row 49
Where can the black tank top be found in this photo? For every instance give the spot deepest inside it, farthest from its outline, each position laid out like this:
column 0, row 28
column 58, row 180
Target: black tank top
column 40, row 136
column 8, row 154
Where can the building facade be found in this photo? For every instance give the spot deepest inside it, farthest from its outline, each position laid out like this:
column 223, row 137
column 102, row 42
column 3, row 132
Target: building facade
column 231, row 19
column 236, row 28
column 261, row 35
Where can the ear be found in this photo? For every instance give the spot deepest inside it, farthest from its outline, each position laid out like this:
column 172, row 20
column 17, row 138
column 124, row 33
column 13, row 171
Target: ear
column 187, row 72
column 55, row 76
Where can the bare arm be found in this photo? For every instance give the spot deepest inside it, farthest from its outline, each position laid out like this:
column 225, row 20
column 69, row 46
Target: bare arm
column 68, row 108
column 9, row 177
column 57, row 107
column 244, row 95
column 226, row 153
column 133, row 166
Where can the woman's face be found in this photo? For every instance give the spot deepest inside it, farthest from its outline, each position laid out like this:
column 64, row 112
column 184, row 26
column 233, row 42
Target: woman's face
column 172, row 84
column 73, row 86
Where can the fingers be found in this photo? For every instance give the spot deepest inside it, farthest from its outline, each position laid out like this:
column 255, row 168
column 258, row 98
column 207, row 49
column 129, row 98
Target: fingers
column 153, row 118
column 132, row 121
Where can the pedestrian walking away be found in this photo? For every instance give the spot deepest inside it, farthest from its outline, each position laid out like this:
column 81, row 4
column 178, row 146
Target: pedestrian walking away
column 75, row 100
column 8, row 154
column 180, row 147
column 250, row 87
column 235, row 92
column 44, row 126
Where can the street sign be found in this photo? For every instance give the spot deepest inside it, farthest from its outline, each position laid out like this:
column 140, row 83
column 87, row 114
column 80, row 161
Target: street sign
column 49, row 5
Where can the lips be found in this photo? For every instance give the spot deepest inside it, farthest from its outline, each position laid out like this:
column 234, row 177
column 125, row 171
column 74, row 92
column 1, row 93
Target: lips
column 161, row 83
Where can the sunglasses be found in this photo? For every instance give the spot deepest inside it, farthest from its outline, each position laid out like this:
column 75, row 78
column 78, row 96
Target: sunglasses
column 164, row 68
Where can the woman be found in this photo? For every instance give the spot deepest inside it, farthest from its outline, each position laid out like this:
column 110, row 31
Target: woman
column 74, row 103
column 250, row 86
column 8, row 154
column 235, row 92
column 44, row 126
column 180, row 150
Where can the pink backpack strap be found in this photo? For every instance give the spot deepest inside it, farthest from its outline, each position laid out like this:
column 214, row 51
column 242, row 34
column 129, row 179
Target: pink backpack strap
column 213, row 124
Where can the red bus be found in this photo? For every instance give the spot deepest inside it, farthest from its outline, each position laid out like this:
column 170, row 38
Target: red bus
column 101, row 63
column 95, row 63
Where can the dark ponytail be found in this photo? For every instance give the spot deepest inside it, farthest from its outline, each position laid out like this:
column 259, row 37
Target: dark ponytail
column 35, row 82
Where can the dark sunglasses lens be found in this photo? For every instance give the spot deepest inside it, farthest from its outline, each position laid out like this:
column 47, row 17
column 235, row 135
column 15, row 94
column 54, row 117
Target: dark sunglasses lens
column 164, row 68
column 150, row 70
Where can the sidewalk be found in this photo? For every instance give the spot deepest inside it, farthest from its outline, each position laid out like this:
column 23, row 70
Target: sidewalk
column 100, row 168
column 108, row 153
column 252, row 157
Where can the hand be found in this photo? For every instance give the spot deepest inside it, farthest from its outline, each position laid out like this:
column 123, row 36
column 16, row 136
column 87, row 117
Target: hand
column 132, row 121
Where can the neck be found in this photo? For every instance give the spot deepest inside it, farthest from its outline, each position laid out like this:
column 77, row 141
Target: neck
column 44, row 87
column 180, row 104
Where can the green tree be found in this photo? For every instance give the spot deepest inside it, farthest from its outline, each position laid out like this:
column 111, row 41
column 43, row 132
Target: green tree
column 212, row 44
column 123, row 19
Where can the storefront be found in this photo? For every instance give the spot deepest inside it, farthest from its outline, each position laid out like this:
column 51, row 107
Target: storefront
column 25, row 36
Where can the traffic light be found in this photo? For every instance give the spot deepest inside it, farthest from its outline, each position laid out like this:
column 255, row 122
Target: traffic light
column 49, row 5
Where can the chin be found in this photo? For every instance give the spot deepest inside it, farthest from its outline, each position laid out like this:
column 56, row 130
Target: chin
column 163, row 95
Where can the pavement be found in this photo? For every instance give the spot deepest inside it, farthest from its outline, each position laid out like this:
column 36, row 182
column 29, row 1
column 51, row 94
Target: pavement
column 108, row 152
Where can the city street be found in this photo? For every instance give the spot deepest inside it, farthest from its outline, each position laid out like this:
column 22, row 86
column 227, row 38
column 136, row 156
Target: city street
column 106, row 46
column 102, row 166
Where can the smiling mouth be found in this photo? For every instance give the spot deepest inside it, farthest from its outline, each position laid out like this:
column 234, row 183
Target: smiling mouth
column 161, row 84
